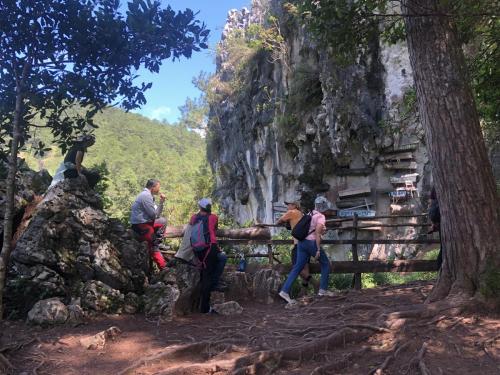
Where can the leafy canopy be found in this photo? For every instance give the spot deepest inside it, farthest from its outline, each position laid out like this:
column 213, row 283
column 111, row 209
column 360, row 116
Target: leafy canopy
column 58, row 54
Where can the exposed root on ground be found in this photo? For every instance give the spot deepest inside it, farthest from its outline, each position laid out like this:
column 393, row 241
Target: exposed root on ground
column 391, row 357
column 260, row 363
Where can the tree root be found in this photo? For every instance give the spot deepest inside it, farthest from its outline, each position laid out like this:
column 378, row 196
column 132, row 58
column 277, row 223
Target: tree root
column 368, row 326
column 389, row 359
column 418, row 361
column 177, row 352
column 362, row 306
column 5, row 363
column 265, row 362
column 337, row 365
column 17, row 345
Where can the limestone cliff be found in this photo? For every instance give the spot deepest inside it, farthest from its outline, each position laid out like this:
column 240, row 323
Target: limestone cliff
column 290, row 121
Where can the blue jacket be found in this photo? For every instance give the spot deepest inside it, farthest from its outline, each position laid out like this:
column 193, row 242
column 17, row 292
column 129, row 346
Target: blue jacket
column 144, row 209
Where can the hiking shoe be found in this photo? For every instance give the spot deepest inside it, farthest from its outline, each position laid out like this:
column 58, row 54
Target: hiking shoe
column 326, row 293
column 286, row 297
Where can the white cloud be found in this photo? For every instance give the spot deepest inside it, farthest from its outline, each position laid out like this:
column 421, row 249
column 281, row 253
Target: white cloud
column 160, row 113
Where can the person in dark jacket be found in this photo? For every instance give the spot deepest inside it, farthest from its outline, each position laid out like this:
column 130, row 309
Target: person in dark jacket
column 72, row 167
column 147, row 222
column 212, row 259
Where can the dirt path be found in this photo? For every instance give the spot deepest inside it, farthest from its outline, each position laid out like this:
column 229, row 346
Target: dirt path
column 347, row 334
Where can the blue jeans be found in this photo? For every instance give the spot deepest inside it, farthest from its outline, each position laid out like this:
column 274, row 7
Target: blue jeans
column 305, row 250
column 219, row 268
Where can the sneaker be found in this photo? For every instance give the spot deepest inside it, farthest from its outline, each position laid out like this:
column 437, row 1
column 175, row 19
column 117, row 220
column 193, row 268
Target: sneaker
column 212, row 312
column 286, row 297
column 326, row 293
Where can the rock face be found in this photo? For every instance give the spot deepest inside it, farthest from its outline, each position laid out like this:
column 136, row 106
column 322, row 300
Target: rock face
column 29, row 186
column 70, row 248
column 295, row 123
column 266, row 284
column 48, row 312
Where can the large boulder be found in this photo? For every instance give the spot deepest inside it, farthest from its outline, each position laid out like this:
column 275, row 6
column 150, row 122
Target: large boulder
column 160, row 299
column 239, row 285
column 69, row 248
column 186, row 279
column 266, row 285
column 48, row 312
column 100, row 297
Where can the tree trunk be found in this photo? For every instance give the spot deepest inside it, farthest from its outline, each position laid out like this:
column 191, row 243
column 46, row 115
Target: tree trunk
column 11, row 185
column 465, row 186
column 253, row 233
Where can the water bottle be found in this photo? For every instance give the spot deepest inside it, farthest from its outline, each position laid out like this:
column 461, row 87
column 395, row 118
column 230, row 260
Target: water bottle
column 242, row 265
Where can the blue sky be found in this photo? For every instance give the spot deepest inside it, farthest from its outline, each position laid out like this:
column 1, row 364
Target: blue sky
column 173, row 84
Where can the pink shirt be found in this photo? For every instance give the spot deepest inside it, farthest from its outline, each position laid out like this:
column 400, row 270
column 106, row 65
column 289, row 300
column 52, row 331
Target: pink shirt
column 317, row 218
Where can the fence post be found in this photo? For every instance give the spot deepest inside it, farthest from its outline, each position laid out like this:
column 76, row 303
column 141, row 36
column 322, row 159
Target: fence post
column 357, row 276
column 270, row 254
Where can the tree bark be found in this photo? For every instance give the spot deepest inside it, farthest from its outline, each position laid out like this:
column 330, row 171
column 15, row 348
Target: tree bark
column 253, row 233
column 465, row 186
column 11, row 185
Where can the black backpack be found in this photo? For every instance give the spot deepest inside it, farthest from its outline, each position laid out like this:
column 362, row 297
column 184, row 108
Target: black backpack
column 301, row 229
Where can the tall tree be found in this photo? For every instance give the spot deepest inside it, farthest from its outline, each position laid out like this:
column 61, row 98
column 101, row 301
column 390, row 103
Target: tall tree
column 469, row 204
column 465, row 185
column 58, row 54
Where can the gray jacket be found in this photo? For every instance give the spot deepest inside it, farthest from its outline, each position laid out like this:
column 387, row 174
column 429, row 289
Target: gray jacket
column 144, row 209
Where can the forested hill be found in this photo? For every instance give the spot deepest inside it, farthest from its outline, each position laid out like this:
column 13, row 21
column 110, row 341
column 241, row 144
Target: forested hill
column 134, row 149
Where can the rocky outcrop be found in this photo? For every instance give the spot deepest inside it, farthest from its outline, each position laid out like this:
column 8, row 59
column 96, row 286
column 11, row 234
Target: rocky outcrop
column 69, row 249
column 296, row 123
column 29, row 186
column 266, row 284
column 48, row 312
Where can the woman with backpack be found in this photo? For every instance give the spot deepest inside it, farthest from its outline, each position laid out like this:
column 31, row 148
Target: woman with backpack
column 308, row 231
column 204, row 244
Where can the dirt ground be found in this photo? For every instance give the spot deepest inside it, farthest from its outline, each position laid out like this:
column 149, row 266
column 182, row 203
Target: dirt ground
column 353, row 333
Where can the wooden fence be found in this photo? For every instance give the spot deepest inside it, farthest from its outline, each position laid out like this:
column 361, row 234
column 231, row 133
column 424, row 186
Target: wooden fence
column 356, row 266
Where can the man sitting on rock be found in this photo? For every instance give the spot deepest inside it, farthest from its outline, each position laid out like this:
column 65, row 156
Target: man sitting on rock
column 291, row 217
column 147, row 222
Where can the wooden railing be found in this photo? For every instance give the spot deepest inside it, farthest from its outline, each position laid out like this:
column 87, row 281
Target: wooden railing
column 356, row 266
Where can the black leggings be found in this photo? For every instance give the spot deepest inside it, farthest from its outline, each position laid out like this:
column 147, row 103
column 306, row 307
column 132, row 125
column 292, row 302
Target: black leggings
column 207, row 272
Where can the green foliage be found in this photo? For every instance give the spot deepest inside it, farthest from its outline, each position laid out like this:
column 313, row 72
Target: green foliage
column 305, row 89
column 134, row 149
column 103, row 184
column 56, row 55
column 194, row 113
column 490, row 282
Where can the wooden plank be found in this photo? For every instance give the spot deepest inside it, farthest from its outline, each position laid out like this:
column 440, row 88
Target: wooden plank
column 252, row 233
column 332, row 242
column 363, row 225
column 363, row 190
column 407, row 147
column 399, row 156
column 401, row 165
column 371, row 266
column 348, row 203
column 357, row 276
column 353, row 171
